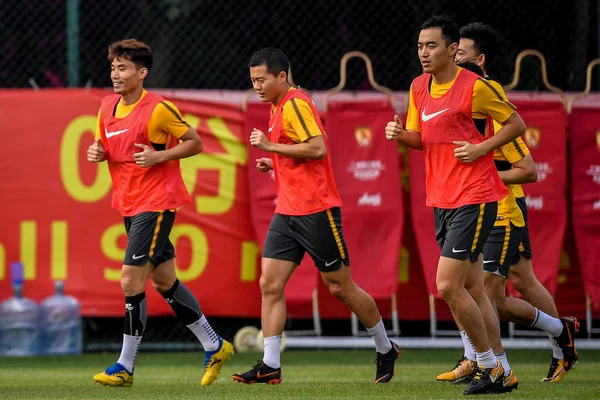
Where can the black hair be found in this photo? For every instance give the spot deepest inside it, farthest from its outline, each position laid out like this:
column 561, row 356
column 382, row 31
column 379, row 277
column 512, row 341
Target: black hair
column 449, row 28
column 484, row 37
column 471, row 66
column 273, row 58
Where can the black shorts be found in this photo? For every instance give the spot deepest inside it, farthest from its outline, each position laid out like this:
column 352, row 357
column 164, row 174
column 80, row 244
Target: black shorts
column 525, row 246
column 462, row 232
column 148, row 238
column 319, row 234
column 501, row 250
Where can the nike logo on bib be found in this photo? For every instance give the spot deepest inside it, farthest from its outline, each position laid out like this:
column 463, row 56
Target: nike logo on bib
column 114, row 133
column 426, row 117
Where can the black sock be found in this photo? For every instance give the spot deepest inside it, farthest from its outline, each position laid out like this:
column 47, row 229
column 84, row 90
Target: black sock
column 183, row 303
column 136, row 313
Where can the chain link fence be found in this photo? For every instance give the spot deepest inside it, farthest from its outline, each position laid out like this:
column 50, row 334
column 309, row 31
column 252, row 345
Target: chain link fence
column 205, row 44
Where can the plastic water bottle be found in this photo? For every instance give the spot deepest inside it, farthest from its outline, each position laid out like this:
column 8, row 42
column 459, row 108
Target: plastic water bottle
column 60, row 323
column 19, row 332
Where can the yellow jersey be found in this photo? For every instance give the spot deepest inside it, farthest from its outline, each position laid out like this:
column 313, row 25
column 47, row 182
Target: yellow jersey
column 299, row 121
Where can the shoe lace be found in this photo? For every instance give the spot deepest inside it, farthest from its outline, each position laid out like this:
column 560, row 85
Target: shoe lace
column 113, row 369
column 258, row 364
column 479, row 373
column 459, row 362
column 553, row 368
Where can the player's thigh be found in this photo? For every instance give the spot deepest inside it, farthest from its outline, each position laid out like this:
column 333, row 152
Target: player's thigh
column 148, row 238
column 164, row 276
column 322, row 236
column 466, row 230
column 501, row 250
column 281, row 243
column 525, row 246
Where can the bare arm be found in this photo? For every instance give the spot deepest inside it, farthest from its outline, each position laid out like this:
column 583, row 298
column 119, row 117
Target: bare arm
column 313, row 148
column 522, row 171
column 395, row 131
column 190, row 145
column 512, row 128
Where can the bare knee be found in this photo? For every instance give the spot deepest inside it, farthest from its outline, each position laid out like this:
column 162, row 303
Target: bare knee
column 449, row 291
column 270, row 287
column 160, row 283
column 131, row 285
column 336, row 290
column 518, row 282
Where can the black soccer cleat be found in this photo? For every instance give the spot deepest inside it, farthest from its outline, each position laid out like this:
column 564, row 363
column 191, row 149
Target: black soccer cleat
column 260, row 373
column 385, row 364
column 566, row 341
column 486, row 380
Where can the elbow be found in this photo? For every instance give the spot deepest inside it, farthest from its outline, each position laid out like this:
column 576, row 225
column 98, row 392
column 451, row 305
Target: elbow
column 199, row 147
column 532, row 176
column 320, row 153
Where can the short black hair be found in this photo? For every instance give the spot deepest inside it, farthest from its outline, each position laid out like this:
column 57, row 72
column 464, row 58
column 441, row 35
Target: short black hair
column 449, row 28
column 484, row 37
column 273, row 58
column 471, row 66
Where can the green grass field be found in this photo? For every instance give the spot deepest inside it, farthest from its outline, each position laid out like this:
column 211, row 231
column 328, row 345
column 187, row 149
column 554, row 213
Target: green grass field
column 307, row 375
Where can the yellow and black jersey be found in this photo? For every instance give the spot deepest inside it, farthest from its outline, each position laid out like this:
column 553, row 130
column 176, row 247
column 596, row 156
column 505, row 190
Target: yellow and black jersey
column 486, row 102
column 299, row 121
column 165, row 120
column 510, row 152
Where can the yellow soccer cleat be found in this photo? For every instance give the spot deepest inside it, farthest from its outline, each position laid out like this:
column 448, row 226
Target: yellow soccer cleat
column 215, row 360
column 461, row 373
column 115, row 375
column 557, row 371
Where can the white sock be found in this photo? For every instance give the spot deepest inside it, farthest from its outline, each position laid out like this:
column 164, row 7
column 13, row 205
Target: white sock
column 504, row 361
column 129, row 350
column 547, row 323
column 469, row 349
column 272, row 356
column 487, row 359
column 204, row 332
column 556, row 351
column 379, row 335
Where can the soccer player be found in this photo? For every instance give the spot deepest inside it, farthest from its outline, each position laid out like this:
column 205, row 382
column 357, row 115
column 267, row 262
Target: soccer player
column 142, row 137
column 449, row 117
column 508, row 250
column 307, row 217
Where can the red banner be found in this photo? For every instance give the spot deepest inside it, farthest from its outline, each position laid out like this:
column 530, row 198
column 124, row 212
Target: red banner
column 368, row 179
column 546, row 137
column 61, row 225
column 300, row 287
column 585, row 193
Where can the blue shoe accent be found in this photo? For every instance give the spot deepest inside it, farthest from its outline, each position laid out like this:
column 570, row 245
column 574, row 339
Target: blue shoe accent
column 211, row 353
column 115, row 369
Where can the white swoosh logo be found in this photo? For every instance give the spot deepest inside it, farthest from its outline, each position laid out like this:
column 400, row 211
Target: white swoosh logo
column 458, row 251
column 115, row 133
column 327, row 264
column 426, row 117
column 487, row 262
column 138, row 257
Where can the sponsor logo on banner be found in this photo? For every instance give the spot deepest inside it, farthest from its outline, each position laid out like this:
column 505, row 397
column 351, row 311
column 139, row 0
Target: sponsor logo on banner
column 594, row 172
column 543, row 169
column 532, row 136
column 373, row 200
column 363, row 135
column 366, row 170
column 534, row 203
